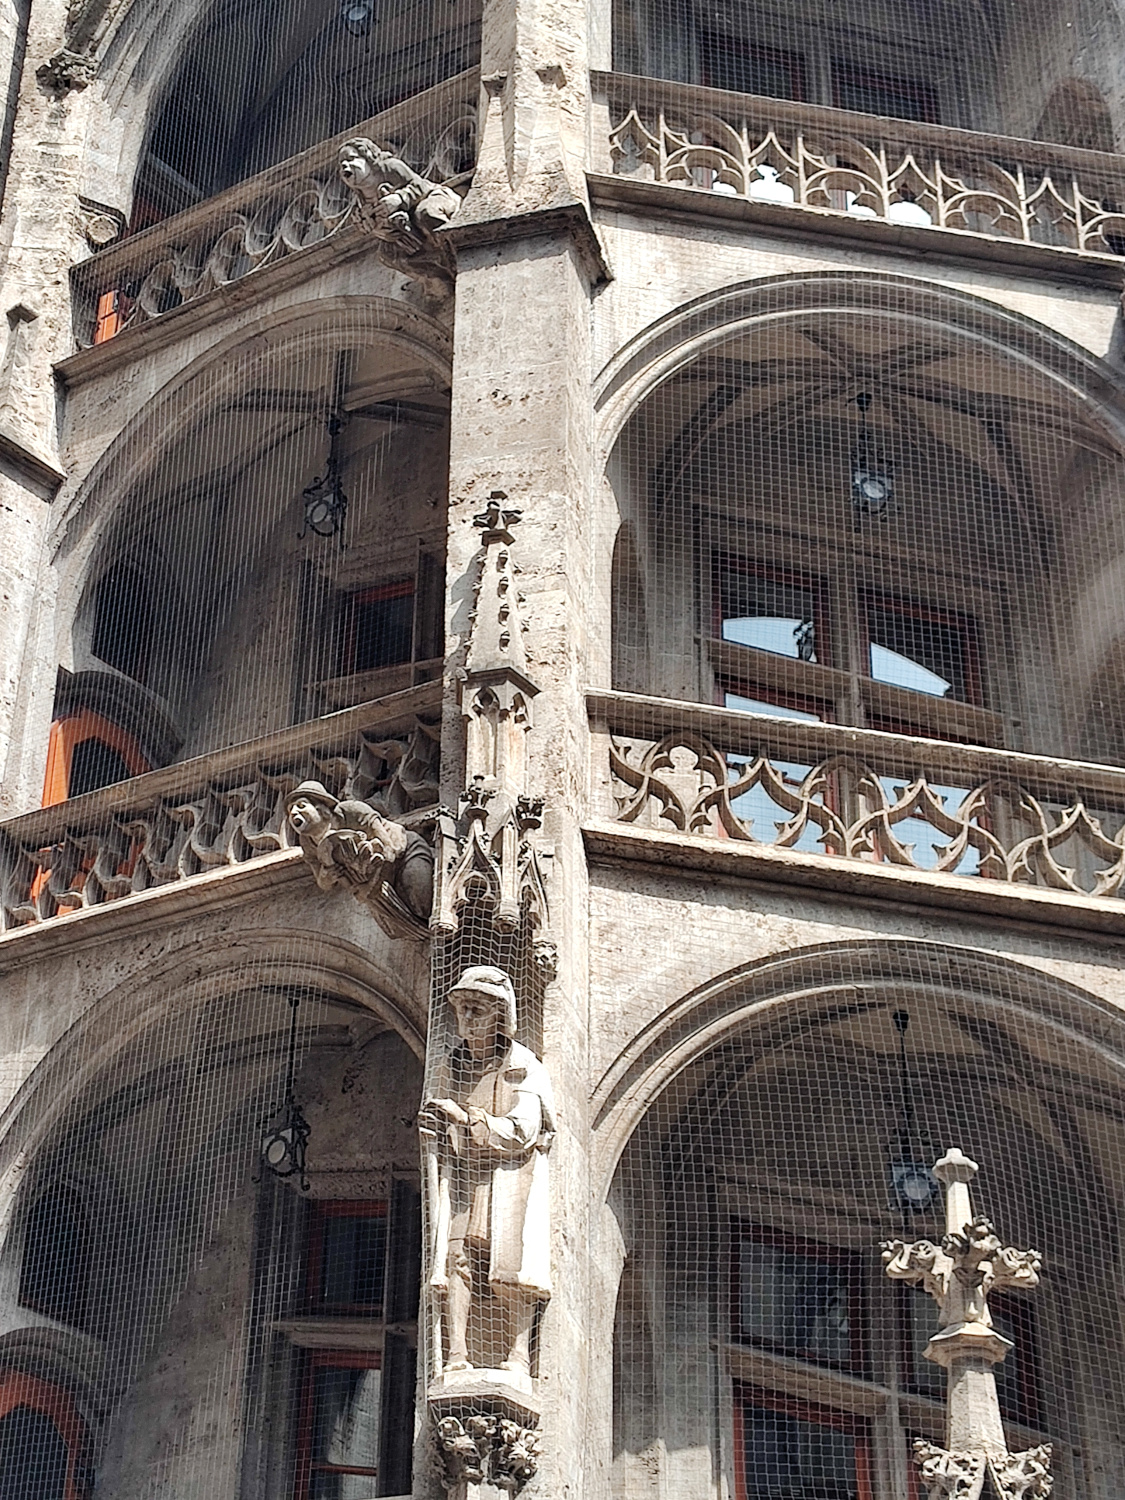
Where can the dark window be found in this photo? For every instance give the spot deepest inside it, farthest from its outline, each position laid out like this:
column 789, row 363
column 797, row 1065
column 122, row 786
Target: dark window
column 54, row 1276
column 747, row 67
column 339, row 1431
column 123, row 621
column 799, row 1298
column 925, row 650
column 33, row 1456
column 377, row 628
column 348, row 1258
column 94, row 764
column 790, row 1449
column 874, row 93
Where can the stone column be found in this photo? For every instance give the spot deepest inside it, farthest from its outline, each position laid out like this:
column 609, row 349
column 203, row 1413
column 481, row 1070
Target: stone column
column 528, row 261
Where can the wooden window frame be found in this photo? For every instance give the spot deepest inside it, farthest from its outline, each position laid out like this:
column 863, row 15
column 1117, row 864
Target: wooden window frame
column 858, row 1362
column 73, row 730
column 18, row 1389
column 328, row 1359
column 324, row 1209
column 924, row 95
column 787, row 59
column 748, row 1396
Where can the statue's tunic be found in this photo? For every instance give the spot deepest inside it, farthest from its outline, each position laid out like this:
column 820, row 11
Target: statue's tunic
column 495, row 1168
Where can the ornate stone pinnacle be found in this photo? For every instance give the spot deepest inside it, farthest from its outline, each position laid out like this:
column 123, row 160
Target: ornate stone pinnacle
column 959, row 1274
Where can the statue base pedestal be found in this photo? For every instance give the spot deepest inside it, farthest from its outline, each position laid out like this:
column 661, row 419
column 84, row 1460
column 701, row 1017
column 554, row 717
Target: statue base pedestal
column 485, row 1425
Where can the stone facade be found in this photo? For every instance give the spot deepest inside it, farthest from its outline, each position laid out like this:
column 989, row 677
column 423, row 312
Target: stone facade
column 347, row 506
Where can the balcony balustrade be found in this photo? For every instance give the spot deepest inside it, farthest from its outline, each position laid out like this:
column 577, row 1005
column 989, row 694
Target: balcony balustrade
column 272, row 217
column 215, row 811
column 862, row 167
column 917, row 804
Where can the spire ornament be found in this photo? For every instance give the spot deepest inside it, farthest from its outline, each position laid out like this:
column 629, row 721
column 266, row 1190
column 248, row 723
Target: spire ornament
column 959, row 1274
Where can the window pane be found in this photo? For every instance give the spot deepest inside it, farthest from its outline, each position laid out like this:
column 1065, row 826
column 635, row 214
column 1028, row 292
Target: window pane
column 768, row 613
column 901, row 97
column 353, row 1261
column 787, row 1458
column 95, row 764
column 346, row 1418
column 747, row 67
column 796, row 1303
column 925, row 655
column 343, row 1486
column 774, row 710
column 379, row 629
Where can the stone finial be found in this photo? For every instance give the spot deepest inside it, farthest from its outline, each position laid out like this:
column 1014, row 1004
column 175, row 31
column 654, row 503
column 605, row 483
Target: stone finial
column 959, row 1274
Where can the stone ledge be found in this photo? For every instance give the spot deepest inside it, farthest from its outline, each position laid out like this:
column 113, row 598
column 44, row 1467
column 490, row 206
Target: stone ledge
column 21, row 946
column 958, row 246
column 671, row 853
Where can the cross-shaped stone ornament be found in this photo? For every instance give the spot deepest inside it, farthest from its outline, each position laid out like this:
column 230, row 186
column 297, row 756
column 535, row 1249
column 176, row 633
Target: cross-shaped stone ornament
column 959, row 1274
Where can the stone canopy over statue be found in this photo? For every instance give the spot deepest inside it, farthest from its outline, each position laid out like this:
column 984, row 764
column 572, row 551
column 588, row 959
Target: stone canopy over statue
column 388, row 867
column 487, row 1129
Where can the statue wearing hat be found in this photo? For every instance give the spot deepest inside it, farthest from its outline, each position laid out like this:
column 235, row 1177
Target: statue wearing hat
column 487, row 1130
column 389, row 868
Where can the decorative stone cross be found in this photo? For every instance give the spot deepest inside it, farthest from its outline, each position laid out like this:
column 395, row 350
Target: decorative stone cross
column 959, row 1274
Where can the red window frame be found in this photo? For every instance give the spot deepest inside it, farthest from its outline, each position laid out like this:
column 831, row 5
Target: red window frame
column 857, row 1363
column 70, row 732
column 397, row 588
column 915, row 609
column 751, row 1396
column 326, row 1359
column 324, row 1209
column 17, row 1389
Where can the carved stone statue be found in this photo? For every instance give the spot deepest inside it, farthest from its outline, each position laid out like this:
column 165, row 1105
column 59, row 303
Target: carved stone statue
column 396, row 201
column 487, row 1131
column 389, row 869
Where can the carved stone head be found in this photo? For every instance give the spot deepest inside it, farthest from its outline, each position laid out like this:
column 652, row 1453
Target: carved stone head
column 360, row 164
column 311, row 809
column 484, row 1000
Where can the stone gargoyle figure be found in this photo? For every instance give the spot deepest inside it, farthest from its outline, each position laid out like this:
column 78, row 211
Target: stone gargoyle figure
column 398, row 203
column 389, row 868
column 487, row 1129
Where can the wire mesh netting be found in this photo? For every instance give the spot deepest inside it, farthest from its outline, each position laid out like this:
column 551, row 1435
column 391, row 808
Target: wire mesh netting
column 861, row 602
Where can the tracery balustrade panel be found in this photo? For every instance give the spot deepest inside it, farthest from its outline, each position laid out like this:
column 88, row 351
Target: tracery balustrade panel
column 218, row 810
column 831, row 161
column 918, row 804
column 272, row 217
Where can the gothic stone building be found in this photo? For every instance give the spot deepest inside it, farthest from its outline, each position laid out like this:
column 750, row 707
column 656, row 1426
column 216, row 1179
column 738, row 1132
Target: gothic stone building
column 562, row 580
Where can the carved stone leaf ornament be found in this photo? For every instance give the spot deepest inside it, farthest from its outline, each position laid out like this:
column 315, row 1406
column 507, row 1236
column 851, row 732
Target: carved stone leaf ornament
column 486, row 1448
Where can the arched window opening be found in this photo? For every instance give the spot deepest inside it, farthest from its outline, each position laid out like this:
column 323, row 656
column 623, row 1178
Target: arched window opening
column 86, row 751
column 1077, row 114
column 261, row 82
column 43, row 1442
column 55, row 1272
column 753, row 1200
column 845, row 534
column 123, row 621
